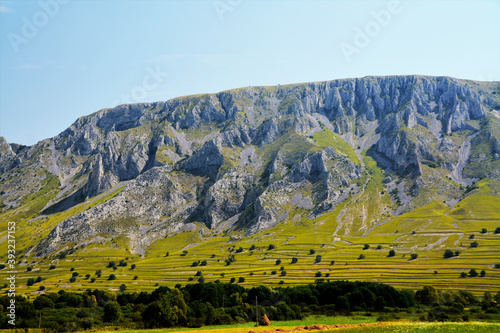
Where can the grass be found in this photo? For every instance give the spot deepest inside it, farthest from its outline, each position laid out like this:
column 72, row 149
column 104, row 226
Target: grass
column 327, row 138
column 384, row 327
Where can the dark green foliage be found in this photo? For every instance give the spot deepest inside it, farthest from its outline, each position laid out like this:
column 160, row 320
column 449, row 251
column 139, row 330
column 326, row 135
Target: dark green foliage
column 239, row 250
column 483, row 230
column 133, row 266
column 319, row 274
column 473, row 273
column 471, row 236
column 123, row 287
column 233, row 280
column 271, row 247
column 361, row 256
column 112, row 312
column 483, row 273
column 392, row 253
column 332, row 262
column 474, row 244
column 278, row 262
column 379, row 247
column 448, row 254
column 2, row 266
column 241, row 279
column 294, row 260
column 111, row 277
column 318, row 259
column 497, row 231
column 463, row 275
column 312, row 251
column 29, row 268
column 366, row 247
column 122, row 263
column 252, row 247
column 414, row 256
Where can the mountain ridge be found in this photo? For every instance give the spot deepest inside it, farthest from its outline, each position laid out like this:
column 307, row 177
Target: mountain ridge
column 242, row 160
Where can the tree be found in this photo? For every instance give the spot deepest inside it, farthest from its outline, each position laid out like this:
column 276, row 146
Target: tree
column 233, row 280
column 318, row 259
column 87, row 276
column 123, row 287
column 75, row 274
column 428, row 295
column 199, row 273
column 483, row 231
column 252, row 247
column 273, row 272
column 332, row 262
column 112, row 277
column 122, row 263
column 471, row 236
column 133, row 266
column 497, row 231
column 278, row 262
column 201, row 279
column 111, row 264
column 271, row 247
column 294, row 260
column 473, row 273
column 241, row 279
column 366, row 247
column 72, row 279
column 283, row 273
column 319, row 274
column 457, row 253
column 312, row 251
column 483, row 273
column 379, row 247
column 38, row 279
column 448, row 254
column 342, row 304
column 52, row 267
column 29, row 269
column 392, row 253
column 361, row 256
column 92, row 280
column 112, row 312
column 463, row 275
column 167, row 254
column 474, row 244
column 194, row 264
column 414, row 256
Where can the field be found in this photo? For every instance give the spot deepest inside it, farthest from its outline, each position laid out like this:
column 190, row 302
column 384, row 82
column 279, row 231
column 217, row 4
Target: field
column 327, row 248
column 354, row 326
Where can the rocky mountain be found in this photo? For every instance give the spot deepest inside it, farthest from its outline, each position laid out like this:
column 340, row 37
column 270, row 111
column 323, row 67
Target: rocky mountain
column 244, row 160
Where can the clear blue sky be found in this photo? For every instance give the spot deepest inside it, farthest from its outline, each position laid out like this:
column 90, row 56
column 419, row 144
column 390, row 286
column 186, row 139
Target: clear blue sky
column 58, row 63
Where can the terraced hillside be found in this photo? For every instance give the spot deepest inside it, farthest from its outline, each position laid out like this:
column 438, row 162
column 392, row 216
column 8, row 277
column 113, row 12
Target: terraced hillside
column 333, row 175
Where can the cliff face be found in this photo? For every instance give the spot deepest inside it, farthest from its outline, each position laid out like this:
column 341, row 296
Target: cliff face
column 246, row 159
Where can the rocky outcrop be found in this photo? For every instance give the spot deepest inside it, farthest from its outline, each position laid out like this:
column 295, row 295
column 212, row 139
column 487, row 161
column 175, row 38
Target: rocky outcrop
column 252, row 155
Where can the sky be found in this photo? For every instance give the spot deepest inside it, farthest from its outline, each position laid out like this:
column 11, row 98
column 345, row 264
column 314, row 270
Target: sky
column 63, row 59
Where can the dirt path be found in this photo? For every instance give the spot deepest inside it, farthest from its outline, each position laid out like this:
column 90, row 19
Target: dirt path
column 316, row 327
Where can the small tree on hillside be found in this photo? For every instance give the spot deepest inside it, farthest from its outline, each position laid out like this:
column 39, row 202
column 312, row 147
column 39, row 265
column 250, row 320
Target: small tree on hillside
column 392, row 253
column 448, row 254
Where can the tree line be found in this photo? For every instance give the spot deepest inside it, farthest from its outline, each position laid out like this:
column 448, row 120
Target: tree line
column 196, row 305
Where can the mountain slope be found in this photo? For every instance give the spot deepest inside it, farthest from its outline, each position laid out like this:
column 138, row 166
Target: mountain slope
column 247, row 160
